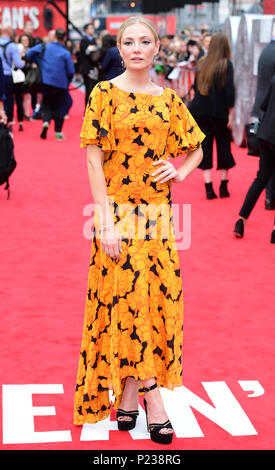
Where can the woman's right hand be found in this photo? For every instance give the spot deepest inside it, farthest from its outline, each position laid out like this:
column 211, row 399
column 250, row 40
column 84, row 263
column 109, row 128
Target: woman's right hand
column 111, row 242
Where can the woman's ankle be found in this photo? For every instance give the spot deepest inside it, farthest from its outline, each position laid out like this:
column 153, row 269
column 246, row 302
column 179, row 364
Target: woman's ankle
column 148, row 383
column 130, row 393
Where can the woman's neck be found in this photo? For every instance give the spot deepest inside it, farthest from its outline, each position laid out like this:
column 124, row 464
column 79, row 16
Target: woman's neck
column 139, row 80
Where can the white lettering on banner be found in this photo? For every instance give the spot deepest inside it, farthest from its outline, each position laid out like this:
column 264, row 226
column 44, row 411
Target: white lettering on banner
column 33, row 13
column 252, row 386
column 225, row 411
column 100, row 430
column 6, row 17
column 19, row 412
column 17, row 17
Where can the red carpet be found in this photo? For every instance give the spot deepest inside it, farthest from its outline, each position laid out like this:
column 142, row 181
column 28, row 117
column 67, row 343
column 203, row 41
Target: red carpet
column 229, row 307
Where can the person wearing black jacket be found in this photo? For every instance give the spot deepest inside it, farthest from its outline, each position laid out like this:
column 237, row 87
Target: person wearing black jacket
column 266, row 69
column 212, row 108
column 111, row 64
column 266, row 136
column 89, row 71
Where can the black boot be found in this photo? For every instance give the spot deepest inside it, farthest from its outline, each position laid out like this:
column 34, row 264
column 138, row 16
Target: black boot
column 272, row 236
column 210, row 194
column 269, row 205
column 239, row 228
column 223, row 189
column 44, row 131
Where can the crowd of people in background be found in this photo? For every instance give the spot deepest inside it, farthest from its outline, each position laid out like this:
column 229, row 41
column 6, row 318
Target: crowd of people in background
column 183, row 50
column 95, row 58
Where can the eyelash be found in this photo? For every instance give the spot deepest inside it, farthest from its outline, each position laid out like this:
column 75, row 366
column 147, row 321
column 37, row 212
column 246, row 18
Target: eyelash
column 127, row 43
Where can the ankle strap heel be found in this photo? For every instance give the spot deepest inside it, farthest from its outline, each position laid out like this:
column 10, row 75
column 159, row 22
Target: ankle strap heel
column 148, row 389
column 155, row 430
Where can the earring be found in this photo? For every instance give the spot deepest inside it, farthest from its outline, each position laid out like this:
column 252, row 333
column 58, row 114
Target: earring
column 122, row 63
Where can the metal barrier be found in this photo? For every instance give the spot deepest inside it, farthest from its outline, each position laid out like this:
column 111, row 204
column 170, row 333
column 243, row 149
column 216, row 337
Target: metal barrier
column 182, row 84
column 248, row 35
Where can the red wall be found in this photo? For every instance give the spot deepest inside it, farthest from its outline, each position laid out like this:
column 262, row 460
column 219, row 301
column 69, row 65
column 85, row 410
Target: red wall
column 269, row 7
column 18, row 12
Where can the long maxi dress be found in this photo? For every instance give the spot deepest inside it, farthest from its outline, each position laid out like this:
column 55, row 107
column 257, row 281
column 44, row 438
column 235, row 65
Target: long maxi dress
column 133, row 323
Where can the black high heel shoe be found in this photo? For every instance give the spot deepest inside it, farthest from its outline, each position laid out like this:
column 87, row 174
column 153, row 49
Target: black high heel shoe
column 126, row 425
column 155, row 428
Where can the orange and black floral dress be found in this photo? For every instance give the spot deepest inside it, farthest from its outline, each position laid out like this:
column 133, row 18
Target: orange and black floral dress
column 133, row 323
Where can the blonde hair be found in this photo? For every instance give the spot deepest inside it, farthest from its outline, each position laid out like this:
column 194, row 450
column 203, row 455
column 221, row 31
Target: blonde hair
column 134, row 20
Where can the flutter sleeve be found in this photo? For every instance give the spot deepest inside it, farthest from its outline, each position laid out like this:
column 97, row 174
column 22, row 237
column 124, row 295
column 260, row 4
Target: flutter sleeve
column 97, row 128
column 184, row 133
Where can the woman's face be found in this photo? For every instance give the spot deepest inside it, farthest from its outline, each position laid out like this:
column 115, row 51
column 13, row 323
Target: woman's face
column 183, row 47
column 177, row 46
column 206, row 41
column 25, row 41
column 194, row 50
column 138, row 47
